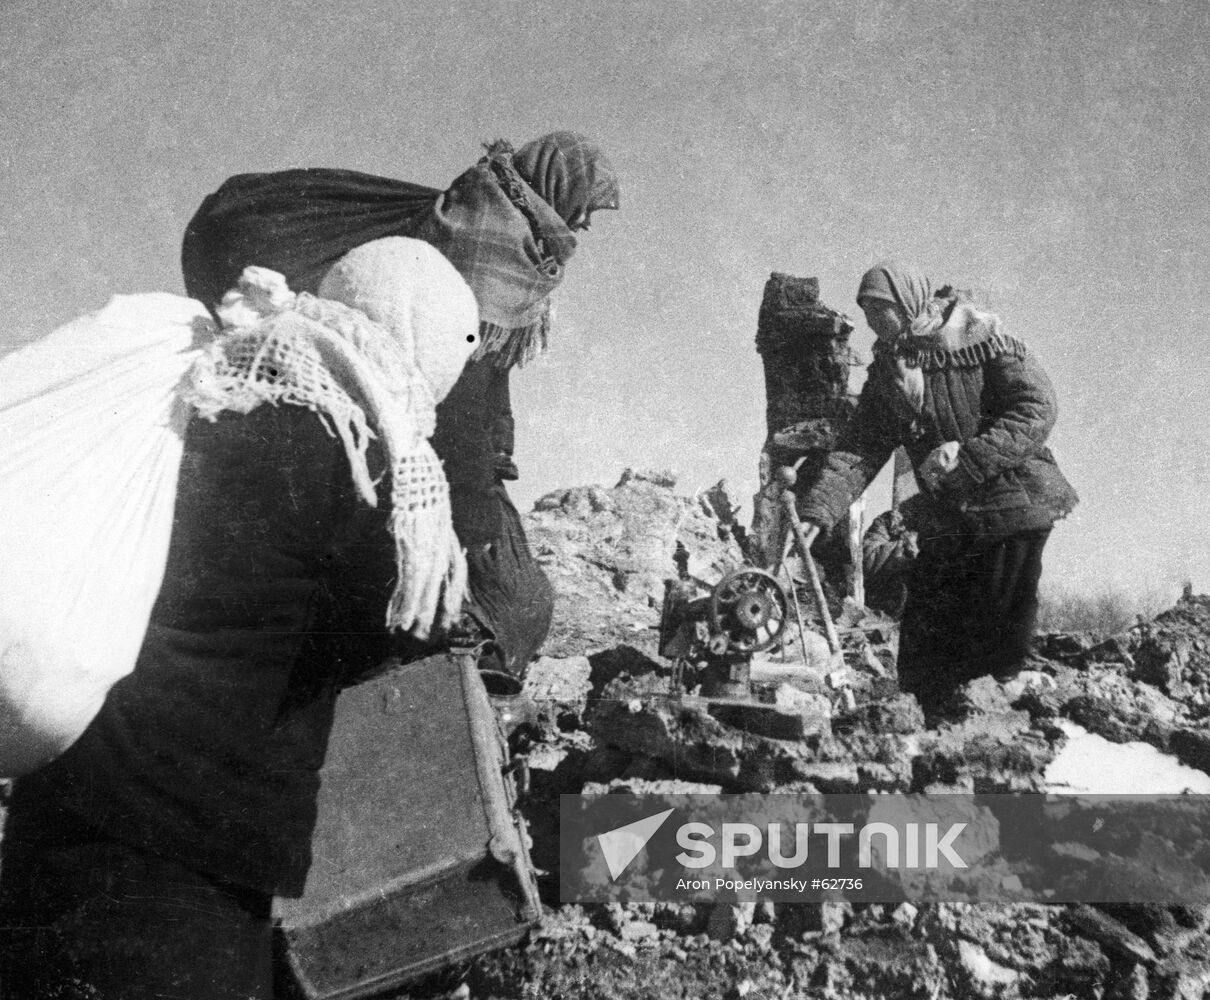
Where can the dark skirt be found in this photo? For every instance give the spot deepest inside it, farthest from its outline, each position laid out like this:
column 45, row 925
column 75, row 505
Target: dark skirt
column 84, row 917
column 971, row 611
column 510, row 596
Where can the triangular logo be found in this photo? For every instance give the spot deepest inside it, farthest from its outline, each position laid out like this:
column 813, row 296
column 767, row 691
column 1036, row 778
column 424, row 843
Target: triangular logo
column 621, row 845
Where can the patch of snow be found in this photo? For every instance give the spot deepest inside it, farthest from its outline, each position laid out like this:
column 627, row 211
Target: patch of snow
column 1091, row 764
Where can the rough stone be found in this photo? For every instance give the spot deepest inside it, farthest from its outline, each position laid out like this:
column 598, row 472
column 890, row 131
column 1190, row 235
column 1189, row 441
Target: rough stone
column 833, row 916
column 792, row 715
column 1192, row 747
column 1114, row 650
column 986, row 978
column 900, row 714
column 941, row 768
column 904, row 915
column 1185, row 976
column 874, row 776
column 1064, row 645
column 728, row 920
column 1100, row 716
column 1185, row 625
column 1111, row 934
column 639, row 930
column 547, row 756
column 609, row 551
column 793, row 699
column 1133, row 985
column 829, row 776
column 761, row 936
column 885, row 965
column 560, row 688
column 721, row 503
column 642, row 786
column 1164, row 664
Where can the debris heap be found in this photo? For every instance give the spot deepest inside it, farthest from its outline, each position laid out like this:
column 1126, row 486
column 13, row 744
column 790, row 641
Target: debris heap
column 608, row 552
column 1147, row 685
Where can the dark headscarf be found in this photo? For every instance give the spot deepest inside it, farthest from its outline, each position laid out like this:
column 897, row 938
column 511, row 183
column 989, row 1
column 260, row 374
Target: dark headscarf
column 569, row 173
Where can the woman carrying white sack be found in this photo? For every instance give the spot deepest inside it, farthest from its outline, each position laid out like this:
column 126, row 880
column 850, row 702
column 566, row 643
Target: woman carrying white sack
column 312, row 526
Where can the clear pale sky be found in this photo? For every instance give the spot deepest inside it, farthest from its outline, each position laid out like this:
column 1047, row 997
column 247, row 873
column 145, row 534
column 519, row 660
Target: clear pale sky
column 1051, row 154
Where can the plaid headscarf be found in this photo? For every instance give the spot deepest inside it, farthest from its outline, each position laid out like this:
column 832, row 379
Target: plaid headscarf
column 500, row 231
column 511, row 247
column 569, row 173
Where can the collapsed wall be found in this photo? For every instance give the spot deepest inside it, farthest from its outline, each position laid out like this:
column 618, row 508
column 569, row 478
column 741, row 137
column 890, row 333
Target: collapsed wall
column 608, row 550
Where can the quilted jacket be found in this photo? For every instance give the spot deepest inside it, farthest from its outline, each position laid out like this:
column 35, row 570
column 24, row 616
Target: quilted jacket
column 993, row 397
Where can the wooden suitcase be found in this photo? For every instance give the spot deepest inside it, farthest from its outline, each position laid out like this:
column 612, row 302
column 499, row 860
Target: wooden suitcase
column 420, row 857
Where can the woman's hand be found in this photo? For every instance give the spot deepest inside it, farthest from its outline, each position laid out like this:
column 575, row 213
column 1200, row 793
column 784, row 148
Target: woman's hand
column 941, row 461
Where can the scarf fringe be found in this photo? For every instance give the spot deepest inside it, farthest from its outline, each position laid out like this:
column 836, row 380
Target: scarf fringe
column 970, row 355
column 515, row 347
column 216, row 384
column 430, row 565
column 335, row 353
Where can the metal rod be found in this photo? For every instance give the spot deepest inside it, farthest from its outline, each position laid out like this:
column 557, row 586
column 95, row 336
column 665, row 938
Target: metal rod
column 790, row 507
column 802, row 628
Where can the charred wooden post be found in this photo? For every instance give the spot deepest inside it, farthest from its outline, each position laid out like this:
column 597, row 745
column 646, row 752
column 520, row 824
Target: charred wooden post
column 804, row 346
column 805, row 349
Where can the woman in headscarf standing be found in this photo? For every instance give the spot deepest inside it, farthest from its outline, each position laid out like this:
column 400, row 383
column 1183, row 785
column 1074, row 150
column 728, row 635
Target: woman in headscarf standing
column 973, row 407
column 508, row 225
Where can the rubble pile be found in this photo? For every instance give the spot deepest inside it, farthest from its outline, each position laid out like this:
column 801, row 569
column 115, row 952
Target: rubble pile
column 607, row 727
column 604, row 725
column 608, row 552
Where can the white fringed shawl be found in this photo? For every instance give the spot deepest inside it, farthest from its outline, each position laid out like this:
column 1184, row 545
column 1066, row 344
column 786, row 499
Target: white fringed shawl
column 332, row 359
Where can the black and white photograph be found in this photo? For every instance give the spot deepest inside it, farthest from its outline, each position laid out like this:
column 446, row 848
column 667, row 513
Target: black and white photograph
column 605, row 501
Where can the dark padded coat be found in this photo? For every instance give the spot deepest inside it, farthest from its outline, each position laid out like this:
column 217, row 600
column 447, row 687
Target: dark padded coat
column 275, row 592
column 994, row 398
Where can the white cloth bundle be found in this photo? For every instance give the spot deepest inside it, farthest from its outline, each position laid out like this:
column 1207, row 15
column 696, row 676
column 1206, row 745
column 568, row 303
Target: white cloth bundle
column 91, row 436
column 92, row 424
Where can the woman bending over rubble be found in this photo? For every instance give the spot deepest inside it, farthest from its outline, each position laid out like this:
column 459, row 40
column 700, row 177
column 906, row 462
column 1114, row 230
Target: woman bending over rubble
column 509, row 224
column 312, row 528
column 973, row 407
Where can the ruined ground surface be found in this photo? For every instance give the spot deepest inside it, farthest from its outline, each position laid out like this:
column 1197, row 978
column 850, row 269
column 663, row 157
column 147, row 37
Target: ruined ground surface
column 608, row 552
